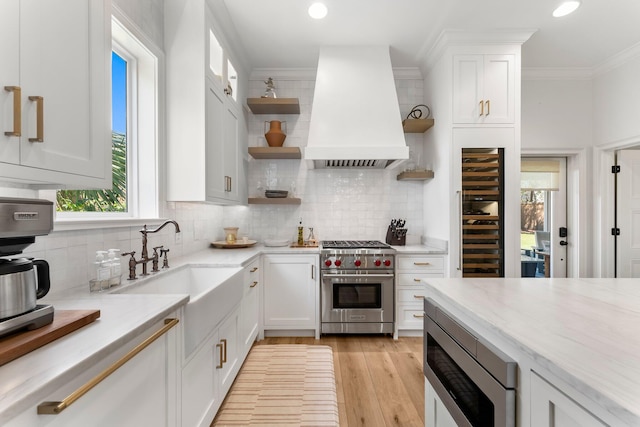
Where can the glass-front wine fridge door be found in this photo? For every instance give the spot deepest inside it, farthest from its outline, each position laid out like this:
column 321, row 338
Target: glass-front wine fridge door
column 482, row 212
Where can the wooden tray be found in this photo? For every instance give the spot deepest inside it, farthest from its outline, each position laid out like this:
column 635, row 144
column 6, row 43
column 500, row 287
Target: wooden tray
column 64, row 322
column 238, row 244
column 295, row 245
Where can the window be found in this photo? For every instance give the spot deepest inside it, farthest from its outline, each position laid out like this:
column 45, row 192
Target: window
column 134, row 138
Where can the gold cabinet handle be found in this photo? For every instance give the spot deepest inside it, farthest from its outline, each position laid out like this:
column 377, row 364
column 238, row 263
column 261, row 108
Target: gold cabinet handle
column 54, row 408
column 224, row 342
column 17, row 110
column 39, row 100
column 422, row 263
column 418, row 316
column 253, row 270
column 219, row 347
column 253, row 285
column 482, row 108
column 418, row 297
column 488, row 107
column 416, row 280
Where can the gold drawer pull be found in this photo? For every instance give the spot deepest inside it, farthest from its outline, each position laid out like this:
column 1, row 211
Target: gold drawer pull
column 219, row 346
column 39, row 100
column 488, row 107
column 253, row 285
column 422, row 263
column 253, row 270
column 416, row 280
column 418, row 316
column 224, row 358
column 418, row 296
column 17, row 110
column 54, row 408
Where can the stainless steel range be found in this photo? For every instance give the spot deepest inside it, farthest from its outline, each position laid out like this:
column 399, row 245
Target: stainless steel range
column 357, row 287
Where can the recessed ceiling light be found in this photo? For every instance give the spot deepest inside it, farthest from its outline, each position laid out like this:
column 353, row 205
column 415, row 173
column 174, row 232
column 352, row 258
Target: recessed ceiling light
column 566, row 8
column 317, row 11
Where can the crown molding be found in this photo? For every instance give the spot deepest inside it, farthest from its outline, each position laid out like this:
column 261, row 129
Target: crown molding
column 452, row 37
column 618, row 60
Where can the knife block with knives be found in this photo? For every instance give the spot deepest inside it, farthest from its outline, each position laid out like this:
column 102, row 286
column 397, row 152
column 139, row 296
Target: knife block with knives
column 396, row 233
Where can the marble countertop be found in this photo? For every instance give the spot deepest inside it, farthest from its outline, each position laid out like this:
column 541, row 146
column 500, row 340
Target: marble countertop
column 418, row 250
column 584, row 331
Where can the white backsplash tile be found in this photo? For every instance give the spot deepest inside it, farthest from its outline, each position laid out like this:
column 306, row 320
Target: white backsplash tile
column 338, row 204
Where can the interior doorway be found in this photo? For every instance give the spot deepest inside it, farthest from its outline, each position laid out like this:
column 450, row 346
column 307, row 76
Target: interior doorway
column 544, row 235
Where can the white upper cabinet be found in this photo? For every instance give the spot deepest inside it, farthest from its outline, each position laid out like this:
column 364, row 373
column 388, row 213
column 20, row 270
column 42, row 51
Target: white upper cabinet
column 484, row 89
column 206, row 141
column 59, row 127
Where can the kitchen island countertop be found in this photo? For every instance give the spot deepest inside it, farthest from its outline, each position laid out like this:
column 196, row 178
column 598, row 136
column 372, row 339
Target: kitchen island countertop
column 583, row 331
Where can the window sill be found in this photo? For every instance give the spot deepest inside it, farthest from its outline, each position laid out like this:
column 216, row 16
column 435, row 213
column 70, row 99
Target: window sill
column 71, row 224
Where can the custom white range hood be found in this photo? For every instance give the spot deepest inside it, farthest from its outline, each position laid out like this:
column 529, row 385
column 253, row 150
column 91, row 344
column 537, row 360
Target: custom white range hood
column 355, row 118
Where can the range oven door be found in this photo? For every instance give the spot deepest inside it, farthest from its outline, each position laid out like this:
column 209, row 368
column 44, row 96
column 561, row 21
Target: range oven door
column 471, row 393
column 357, row 303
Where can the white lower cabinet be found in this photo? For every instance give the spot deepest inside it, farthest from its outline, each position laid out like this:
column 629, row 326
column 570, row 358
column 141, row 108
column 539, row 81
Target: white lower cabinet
column 143, row 391
column 209, row 373
column 410, row 291
column 550, row 407
column 250, row 320
column 436, row 414
column 291, row 289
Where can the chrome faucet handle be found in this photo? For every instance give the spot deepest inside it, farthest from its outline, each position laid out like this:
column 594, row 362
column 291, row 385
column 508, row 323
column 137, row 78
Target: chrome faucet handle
column 165, row 261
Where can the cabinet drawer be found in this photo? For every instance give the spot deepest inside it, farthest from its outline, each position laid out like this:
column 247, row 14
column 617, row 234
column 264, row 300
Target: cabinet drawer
column 415, row 295
column 413, row 279
column 410, row 316
column 421, row 263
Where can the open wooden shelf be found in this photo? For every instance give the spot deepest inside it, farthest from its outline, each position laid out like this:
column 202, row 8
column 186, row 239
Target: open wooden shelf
column 275, row 152
column 274, row 201
column 417, row 125
column 415, row 176
column 274, row 105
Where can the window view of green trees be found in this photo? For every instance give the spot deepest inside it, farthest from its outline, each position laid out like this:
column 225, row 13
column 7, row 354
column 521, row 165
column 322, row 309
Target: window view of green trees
column 114, row 200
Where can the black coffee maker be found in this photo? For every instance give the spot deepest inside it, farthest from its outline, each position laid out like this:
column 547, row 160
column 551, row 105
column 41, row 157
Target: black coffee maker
column 23, row 280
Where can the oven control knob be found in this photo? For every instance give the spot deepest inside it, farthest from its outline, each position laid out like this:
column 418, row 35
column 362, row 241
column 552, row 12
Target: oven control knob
column 328, row 263
column 357, row 263
column 377, row 263
column 337, row 263
column 387, row 262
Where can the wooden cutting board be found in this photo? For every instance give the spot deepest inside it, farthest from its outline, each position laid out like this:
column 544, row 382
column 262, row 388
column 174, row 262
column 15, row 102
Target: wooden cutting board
column 64, row 322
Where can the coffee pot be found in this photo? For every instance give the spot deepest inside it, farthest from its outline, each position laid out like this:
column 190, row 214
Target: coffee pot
column 22, row 282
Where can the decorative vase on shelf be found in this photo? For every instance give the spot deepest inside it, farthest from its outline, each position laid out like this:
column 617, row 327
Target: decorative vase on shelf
column 275, row 136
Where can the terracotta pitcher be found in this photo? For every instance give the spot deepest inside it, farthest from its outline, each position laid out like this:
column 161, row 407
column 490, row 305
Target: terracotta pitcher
column 275, row 136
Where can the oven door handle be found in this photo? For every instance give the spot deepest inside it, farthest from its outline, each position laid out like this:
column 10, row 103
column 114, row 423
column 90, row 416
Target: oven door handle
column 336, row 276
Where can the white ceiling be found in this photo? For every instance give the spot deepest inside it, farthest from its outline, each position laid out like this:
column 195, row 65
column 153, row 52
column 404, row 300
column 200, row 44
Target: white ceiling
column 280, row 34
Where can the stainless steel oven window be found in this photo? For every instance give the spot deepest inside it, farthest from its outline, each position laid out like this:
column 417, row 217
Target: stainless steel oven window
column 357, row 295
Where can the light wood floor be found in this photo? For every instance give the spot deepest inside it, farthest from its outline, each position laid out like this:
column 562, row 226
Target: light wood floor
column 379, row 381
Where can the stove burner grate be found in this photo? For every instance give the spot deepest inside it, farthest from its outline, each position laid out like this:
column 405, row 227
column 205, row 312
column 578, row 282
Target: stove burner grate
column 353, row 244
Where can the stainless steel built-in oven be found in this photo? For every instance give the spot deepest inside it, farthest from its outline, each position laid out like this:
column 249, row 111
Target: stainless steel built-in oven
column 357, row 289
column 474, row 380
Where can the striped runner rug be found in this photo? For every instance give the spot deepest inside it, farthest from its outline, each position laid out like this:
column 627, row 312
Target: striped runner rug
column 280, row 385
